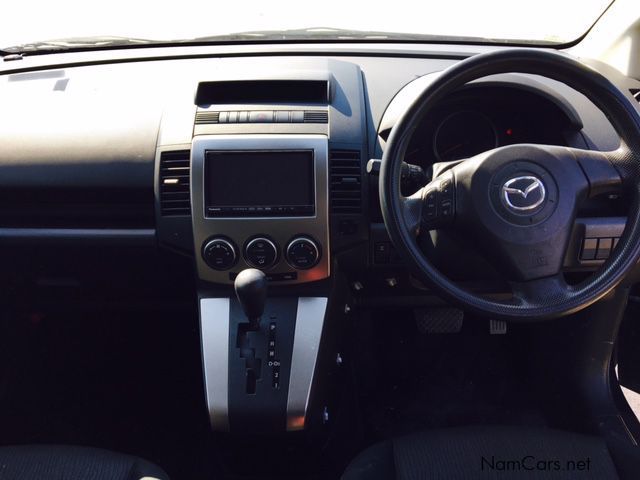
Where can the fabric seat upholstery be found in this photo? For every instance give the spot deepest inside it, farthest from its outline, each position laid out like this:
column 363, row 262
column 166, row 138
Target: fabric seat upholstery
column 486, row 453
column 44, row 462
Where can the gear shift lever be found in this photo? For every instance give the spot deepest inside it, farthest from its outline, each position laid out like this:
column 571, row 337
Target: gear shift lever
column 251, row 290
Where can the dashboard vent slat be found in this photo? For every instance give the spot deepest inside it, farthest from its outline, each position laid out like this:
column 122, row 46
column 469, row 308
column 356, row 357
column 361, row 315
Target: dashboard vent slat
column 175, row 192
column 345, row 181
column 316, row 116
column 636, row 93
column 207, row 117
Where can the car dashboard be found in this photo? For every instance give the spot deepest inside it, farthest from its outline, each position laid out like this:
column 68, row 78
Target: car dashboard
column 120, row 151
column 155, row 175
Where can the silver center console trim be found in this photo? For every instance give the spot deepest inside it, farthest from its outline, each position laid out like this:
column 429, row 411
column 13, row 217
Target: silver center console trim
column 306, row 344
column 214, row 339
column 280, row 229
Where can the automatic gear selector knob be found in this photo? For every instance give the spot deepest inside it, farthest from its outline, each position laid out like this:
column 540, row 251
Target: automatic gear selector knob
column 251, row 290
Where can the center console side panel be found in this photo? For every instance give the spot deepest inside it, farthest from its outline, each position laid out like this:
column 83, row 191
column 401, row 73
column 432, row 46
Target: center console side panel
column 259, row 367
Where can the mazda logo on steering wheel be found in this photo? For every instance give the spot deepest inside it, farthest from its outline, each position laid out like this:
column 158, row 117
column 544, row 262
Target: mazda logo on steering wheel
column 523, row 194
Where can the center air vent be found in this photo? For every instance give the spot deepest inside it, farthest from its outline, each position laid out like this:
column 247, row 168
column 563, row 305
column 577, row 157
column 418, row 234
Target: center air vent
column 346, row 181
column 175, row 197
column 636, row 93
column 207, row 117
column 316, row 116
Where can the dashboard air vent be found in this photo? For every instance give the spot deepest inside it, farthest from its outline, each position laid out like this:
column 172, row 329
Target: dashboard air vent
column 175, row 196
column 346, row 181
column 636, row 93
column 316, row 116
column 207, row 117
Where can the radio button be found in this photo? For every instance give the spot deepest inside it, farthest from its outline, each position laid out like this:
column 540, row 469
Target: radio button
column 219, row 254
column 282, row 116
column 261, row 116
column 261, row 253
column 303, row 253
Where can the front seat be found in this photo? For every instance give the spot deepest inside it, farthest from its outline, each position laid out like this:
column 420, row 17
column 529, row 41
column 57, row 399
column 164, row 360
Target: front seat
column 43, row 462
column 472, row 453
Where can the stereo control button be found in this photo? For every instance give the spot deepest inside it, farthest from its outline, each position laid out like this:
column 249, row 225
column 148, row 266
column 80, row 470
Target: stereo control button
column 261, row 253
column 303, row 253
column 219, row 254
column 261, row 116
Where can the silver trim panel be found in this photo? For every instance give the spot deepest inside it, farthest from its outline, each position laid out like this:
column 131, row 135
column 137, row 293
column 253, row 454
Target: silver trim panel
column 306, row 344
column 280, row 229
column 214, row 340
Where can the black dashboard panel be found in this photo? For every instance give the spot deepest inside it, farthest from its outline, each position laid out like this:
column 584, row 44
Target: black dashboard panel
column 94, row 130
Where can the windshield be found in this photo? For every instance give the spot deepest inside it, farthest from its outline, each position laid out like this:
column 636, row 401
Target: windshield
column 29, row 22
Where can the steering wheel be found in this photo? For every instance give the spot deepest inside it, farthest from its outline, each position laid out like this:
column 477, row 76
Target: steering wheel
column 518, row 202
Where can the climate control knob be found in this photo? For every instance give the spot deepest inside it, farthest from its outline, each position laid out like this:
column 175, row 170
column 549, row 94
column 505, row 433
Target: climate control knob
column 219, row 254
column 261, row 253
column 302, row 253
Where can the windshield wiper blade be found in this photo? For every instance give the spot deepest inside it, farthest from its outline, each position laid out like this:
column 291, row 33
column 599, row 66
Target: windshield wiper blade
column 324, row 34
column 329, row 33
column 308, row 34
column 75, row 43
column 265, row 35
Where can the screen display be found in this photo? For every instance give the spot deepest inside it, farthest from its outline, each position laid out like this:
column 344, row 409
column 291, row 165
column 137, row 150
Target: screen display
column 252, row 183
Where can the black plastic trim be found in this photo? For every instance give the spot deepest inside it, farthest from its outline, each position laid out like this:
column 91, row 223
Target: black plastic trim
column 86, row 236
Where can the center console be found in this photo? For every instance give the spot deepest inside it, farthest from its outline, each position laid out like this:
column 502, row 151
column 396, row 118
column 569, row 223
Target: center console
column 258, row 377
column 260, row 216
column 261, row 201
column 264, row 188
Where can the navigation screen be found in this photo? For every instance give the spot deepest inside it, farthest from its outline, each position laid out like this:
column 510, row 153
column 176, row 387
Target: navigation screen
column 259, row 183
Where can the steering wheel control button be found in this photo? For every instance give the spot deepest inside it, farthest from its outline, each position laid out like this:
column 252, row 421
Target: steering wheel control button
column 303, row 253
column 261, row 253
column 446, row 188
column 446, row 209
column 604, row 248
column 589, row 249
column 439, row 203
column 219, row 254
column 431, row 205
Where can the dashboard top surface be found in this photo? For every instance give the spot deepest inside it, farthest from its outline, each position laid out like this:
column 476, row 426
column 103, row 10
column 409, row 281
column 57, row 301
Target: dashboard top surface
column 121, row 110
